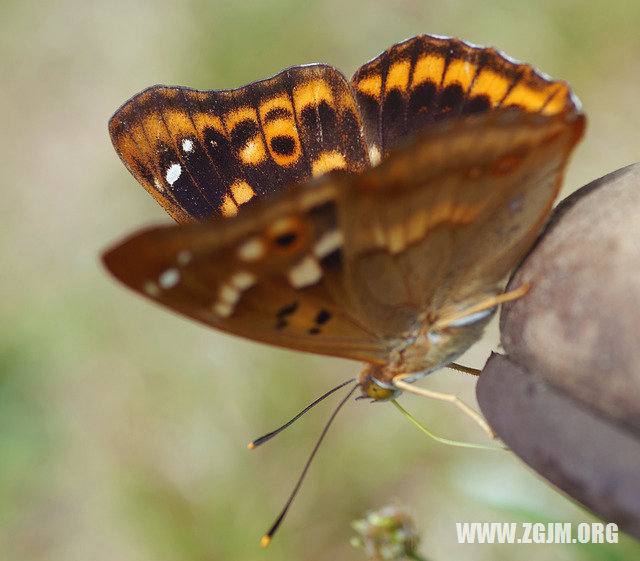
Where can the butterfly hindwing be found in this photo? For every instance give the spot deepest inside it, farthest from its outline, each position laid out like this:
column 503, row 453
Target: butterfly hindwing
column 272, row 274
column 427, row 79
column 442, row 220
column 206, row 153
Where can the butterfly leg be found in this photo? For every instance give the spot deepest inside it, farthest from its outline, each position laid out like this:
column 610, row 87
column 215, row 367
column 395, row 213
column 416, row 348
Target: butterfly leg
column 398, row 382
column 465, row 369
column 485, row 304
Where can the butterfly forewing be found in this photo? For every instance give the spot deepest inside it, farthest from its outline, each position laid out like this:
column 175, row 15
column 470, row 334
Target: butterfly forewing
column 428, row 79
column 273, row 274
column 206, row 153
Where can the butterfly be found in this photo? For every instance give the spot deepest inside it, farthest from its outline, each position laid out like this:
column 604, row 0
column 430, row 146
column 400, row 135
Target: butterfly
column 374, row 219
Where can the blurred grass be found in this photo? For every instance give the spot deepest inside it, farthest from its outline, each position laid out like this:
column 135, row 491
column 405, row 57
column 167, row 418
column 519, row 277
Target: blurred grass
column 122, row 427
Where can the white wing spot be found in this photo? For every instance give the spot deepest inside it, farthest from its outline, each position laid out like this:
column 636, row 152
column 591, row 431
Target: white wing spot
column 184, row 257
column 396, row 238
column 151, row 288
column 328, row 244
column 173, row 173
column 378, row 235
column 158, row 185
column 223, row 309
column 243, row 280
column 228, row 295
column 187, row 145
column 251, row 250
column 374, row 155
column 305, row 273
column 169, row 278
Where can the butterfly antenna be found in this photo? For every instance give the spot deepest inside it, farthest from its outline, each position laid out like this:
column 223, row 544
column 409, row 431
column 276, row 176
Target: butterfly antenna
column 266, row 539
column 270, row 435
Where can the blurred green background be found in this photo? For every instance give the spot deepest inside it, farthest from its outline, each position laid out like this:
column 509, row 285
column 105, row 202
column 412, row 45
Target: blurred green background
column 123, row 427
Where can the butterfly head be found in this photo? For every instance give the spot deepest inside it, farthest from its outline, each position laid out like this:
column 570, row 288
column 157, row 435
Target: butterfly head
column 433, row 345
column 373, row 386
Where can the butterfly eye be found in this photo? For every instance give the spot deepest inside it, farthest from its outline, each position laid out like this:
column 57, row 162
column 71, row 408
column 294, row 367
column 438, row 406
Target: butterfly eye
column 371, row 388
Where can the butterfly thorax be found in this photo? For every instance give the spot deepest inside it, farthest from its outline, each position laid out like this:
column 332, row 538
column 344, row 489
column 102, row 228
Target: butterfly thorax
column 425, row 350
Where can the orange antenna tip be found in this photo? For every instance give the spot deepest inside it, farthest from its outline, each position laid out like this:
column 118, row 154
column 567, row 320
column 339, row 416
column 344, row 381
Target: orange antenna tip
column 251, row 445
column 265, row 541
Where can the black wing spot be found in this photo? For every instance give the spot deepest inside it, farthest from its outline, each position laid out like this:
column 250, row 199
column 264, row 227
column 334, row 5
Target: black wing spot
column 393, row 107
column 283, row 313
column 219, row 149
column 308, row 118
column 323, row 317
column 242, row 133
column 320, row 122
column 332, row 261
column 422, row 97
column 284, row 240
column 329, row 125
column 350, row 127
column 277, row 113
column 324, row 211
column 515, row 106
column 287, row 310
column 369, row 107
column 477, row 104
column 450, row 98
column 283, row 145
